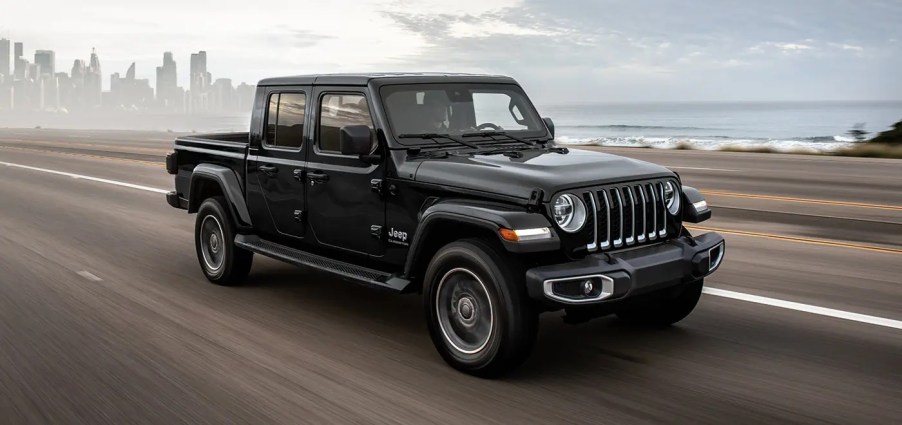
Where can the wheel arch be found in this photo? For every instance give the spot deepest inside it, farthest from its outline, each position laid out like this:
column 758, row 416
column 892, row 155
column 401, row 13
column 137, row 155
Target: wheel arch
column 447, row 221
column 209, row 180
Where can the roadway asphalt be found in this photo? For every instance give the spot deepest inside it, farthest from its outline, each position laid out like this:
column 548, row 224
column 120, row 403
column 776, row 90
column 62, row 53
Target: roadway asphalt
column 105, row 316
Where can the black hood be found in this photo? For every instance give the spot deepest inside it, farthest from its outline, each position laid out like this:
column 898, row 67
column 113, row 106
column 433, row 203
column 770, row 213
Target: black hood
column 549, row 171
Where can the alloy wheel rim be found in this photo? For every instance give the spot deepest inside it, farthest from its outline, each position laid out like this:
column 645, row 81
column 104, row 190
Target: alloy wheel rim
column 465, row 311
column 212, row 243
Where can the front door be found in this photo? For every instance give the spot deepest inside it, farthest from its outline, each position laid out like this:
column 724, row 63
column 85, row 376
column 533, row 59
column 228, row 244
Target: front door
column 345, row 212
column 278, row 165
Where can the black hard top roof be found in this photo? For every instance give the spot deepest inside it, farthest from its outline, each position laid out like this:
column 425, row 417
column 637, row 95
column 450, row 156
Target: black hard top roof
column 363, row 79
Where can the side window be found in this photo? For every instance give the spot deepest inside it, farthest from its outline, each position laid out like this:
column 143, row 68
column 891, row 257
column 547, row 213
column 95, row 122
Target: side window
column 337, row 111
column 271, row 119
column 285, row 122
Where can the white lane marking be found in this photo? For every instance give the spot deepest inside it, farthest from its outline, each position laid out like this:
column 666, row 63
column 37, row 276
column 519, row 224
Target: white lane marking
column 90, row 276
column 823, row 311
column 873, row 320
column 704, row 169
column 82, row 177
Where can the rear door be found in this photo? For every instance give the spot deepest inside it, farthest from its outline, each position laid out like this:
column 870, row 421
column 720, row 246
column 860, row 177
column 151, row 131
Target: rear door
column 278, row 164
column 345, row 212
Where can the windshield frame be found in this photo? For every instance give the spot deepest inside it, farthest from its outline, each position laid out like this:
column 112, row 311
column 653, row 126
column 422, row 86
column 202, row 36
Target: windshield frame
column 530, row 111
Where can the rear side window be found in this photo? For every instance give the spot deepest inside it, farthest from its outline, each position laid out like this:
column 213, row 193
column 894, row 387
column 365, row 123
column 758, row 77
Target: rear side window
column 337, row 111
column 285, row 121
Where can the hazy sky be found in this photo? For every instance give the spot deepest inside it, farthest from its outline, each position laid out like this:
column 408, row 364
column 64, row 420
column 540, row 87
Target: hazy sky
column 562, row 51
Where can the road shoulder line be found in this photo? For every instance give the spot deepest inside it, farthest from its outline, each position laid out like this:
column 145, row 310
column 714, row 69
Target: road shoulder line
column 83, row 177
column 807, row 308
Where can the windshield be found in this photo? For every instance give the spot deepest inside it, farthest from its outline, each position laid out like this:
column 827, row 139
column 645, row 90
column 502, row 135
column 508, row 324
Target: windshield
column 458, row 109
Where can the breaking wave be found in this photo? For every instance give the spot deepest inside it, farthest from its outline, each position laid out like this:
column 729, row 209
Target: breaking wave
column 635, row 127
column 817, row 144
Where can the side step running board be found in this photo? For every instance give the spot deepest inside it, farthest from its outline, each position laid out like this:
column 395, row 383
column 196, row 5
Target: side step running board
column 347, row 271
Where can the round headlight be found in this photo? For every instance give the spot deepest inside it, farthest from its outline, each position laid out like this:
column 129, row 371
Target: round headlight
column 569, row 212
column 672, row 197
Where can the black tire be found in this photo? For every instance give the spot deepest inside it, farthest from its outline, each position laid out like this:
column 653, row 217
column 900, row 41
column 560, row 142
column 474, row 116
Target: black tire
column 461, row 277
column 214, row 235
column 665, row 311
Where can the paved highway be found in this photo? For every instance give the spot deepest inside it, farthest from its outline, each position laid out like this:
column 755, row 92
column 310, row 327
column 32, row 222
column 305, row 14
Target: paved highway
column 105, row 316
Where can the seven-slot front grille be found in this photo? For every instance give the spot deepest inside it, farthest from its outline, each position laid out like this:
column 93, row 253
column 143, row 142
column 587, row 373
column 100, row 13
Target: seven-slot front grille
column 626, row 215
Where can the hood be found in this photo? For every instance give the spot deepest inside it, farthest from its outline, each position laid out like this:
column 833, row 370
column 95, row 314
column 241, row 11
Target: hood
column 549, row 171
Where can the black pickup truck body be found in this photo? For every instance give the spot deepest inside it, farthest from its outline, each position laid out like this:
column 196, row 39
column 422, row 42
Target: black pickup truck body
column 380, row 216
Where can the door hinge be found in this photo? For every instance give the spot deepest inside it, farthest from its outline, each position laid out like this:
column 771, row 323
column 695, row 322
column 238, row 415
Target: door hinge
column 299, row 215
column 376, row 231
column 376, row 185
column 535, row 200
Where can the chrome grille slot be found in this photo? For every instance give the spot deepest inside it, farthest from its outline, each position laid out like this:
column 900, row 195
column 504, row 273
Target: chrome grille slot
column 662, row 225
column 591, row 220
column 629, row 215
column 604, row 219
column 617, row 216
column 641, row 213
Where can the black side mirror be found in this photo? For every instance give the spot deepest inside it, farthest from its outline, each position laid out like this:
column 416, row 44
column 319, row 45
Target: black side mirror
column 355, row 140
column 550, row 125
column 695, row 208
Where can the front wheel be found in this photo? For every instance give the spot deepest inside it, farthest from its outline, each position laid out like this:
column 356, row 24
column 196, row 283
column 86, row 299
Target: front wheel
column 223, row 263
column 665, row 311
column 480, row 317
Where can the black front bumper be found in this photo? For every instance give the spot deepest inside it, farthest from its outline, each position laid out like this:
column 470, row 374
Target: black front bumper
column 620, row 276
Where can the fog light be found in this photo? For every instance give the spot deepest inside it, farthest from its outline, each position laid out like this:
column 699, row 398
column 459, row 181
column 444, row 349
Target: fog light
column 579, row 289
column 588, row 288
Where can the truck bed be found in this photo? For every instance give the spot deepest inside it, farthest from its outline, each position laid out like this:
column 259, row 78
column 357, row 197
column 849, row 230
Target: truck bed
column 225, row 149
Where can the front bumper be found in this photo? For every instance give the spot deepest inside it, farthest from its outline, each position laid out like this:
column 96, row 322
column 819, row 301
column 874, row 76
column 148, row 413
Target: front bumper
column 610, row 278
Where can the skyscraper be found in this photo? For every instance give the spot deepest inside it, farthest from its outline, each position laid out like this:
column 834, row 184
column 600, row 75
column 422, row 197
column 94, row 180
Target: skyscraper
column 169, row 95
column 128, row 93
column 4, row 58
column 46, row 59
column 200, row 82
column 93, row 81
column 19, row 63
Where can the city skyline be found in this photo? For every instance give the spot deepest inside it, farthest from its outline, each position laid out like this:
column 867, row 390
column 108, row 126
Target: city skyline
column 580, row 50
column 36, row 86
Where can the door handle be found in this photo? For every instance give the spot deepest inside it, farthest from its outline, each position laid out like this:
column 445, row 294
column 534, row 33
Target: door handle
column 299, row 175
column 317, row 177
column 269, row 170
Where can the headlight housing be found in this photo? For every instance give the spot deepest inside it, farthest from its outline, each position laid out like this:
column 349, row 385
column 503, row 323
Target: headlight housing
column 569, row 212
column 672, row 197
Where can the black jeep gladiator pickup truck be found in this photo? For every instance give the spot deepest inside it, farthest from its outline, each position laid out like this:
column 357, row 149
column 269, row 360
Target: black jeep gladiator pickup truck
column 450, row 186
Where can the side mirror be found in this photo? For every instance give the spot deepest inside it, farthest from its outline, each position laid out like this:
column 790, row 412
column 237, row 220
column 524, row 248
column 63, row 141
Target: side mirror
column 550, row 125
column 355, row 140
column 695, row 208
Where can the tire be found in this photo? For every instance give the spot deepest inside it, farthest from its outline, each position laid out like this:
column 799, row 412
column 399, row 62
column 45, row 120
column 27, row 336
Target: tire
column 222, row 262
column 480, row 317
column 663, row 312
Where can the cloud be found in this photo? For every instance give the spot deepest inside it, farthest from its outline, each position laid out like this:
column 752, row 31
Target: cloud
column 600, row 49
column 844, row 46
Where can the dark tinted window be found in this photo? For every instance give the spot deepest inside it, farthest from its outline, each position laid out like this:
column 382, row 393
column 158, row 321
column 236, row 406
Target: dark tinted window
column 285, row 122
column 337, row 111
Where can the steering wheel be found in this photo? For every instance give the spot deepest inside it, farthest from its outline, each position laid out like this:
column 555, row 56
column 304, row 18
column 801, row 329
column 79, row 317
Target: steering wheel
column 488, row 125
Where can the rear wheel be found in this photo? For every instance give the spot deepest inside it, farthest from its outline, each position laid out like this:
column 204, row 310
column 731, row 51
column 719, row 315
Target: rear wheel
column 665, row 311
column 222, row 262
column 480, row 318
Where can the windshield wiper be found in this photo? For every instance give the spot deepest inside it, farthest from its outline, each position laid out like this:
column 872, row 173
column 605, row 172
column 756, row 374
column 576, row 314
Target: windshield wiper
column 495, row 133
column 435, row 136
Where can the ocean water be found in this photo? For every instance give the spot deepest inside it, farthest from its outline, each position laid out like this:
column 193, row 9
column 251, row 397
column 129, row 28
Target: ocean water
column 785, row 126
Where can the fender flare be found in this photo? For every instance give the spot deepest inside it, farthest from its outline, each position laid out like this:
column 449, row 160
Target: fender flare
column 229, row 184
column 485, row 215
